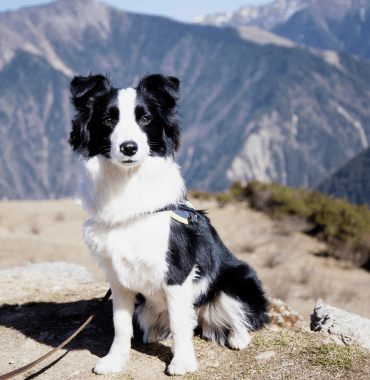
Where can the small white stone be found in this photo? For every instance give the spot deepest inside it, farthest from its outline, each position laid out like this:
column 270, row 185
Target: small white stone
column 75, row 373
column 265, row 355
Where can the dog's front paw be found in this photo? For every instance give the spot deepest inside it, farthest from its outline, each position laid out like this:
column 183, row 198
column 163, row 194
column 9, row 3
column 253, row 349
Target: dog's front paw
column 239, row 340
column 181, row 365
column 110, row 364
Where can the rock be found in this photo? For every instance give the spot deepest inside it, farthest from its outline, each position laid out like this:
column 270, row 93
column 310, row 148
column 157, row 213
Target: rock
column 333, row 339
column 348, row 327
column 63, row 272
column 282, row 315
column 265, row 355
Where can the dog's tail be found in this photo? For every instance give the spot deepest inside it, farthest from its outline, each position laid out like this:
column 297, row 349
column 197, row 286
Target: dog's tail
column 241, row 283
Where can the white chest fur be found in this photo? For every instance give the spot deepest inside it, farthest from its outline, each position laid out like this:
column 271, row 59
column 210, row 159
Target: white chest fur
column 135, row 252
column 130, row 244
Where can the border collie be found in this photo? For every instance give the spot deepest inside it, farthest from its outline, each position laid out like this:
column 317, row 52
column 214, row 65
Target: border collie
column 166, row 277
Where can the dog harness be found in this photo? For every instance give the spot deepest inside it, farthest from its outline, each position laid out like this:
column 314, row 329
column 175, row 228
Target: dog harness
column 183, row 212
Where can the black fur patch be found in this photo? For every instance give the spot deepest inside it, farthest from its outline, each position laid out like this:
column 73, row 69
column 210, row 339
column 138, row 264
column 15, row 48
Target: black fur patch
column 94, row 99
column 158, row 97
column 199, row 245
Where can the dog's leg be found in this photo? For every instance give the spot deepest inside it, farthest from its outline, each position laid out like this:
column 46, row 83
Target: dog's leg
column 154, row 322
column 123, row 309
column 182, row 324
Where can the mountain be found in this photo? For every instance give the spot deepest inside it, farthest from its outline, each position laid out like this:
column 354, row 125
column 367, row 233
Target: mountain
column 264, row 16
column 351, row 181
column 325, row 24
column 254, row 105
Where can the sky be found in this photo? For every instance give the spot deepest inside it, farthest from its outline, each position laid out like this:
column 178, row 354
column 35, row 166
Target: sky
column 182, row 10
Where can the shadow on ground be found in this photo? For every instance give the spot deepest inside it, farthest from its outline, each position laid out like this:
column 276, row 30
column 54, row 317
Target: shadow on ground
column 51, row 323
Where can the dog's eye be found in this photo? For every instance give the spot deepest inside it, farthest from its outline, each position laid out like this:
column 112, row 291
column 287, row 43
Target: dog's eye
column 108, row 121
column 144, row 120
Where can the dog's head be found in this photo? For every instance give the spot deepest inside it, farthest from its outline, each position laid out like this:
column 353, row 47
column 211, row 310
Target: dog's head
column 125, row 125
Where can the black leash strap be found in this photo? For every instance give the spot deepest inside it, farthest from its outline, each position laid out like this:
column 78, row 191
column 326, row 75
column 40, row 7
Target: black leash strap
column 31, row 365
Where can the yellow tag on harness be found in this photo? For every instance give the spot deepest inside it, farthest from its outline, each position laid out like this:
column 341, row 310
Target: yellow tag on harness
column 178, row 218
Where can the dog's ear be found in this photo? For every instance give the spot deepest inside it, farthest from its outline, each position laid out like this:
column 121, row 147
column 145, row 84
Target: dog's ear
column 87, row 88
column 84, row 91
column 163, row 89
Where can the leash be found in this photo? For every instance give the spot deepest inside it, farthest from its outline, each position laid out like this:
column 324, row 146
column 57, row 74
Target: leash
column 31, row 365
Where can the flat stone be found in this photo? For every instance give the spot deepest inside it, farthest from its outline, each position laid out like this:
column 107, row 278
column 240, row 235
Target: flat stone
column 265, row 355
column 61, row 271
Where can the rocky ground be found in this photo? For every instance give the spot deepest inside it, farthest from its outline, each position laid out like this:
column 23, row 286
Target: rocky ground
column 38, row 311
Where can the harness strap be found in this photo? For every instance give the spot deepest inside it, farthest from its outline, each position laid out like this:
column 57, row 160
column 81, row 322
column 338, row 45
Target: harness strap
column 182, row 212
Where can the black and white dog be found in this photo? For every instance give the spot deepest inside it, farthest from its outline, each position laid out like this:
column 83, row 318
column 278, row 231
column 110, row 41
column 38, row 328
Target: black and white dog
column 167, row 276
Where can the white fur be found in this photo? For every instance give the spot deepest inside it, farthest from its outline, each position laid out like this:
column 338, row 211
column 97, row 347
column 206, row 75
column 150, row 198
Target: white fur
column 111, row 194
column 123, row 309
column 200, row 287
column 128, row 130
column 182, row 322
column 153, row 318
column 227, row 312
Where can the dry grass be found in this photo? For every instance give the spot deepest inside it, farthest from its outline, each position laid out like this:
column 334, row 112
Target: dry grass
column 274, row 259
column 321, row 288
column 35, row 228
column 59, row 216
column 347, row 295
column 280, row 287
column 306, row 275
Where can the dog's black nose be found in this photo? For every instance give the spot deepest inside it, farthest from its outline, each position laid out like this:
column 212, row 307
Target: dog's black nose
column 128, row 148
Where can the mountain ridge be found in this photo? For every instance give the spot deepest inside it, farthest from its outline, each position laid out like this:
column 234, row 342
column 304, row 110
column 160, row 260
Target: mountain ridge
column 250, row 110
column 330, row 24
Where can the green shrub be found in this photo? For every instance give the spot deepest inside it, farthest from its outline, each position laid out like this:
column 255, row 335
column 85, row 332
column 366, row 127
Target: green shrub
column 344, row 226
column 199, row 194
column 223, row 199
column 237, row 191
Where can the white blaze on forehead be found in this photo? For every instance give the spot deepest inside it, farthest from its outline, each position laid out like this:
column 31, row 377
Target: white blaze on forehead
column 127, row 128
column 126, row 104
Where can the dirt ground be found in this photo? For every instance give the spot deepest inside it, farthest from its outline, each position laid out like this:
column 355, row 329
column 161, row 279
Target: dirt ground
column 36, row 314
